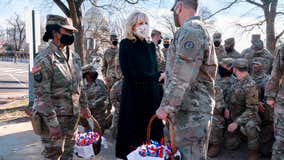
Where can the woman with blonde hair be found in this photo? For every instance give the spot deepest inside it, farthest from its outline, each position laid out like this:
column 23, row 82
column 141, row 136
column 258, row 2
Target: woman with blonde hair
column 140, row 90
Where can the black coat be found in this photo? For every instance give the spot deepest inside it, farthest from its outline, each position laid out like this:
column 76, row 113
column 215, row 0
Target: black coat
column 140, row 95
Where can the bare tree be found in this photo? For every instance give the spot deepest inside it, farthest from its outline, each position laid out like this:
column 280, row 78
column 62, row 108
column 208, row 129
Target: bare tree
column 270, row 13
column 17, row 32
column 169, row 24
column 73, row 9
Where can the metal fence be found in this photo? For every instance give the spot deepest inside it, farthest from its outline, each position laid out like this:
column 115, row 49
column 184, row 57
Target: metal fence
column 10, row 57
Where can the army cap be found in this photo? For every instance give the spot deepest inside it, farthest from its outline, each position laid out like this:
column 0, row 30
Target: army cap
column 255, row 37
column 188, row 1
column 226, row 61
column 257, row 44
column 230, row 42
column 88, row 68
column 217, row 36
column 61, row 21
column 258, row 60
column 240, row 63
column 113, row 36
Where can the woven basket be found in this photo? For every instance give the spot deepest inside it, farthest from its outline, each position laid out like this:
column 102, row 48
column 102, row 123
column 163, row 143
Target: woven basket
column 172, row 134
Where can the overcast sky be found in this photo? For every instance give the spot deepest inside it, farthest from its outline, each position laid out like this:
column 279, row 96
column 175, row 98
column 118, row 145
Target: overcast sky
column 224, row 22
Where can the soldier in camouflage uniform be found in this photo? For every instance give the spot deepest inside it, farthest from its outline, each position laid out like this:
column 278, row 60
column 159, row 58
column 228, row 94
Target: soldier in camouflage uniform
column 265, row 112
column 157, row 39
column 219, row 48
column 115, row 97
column 222, row 98
column 189, row 87
column 108, row 67
column 257, row 50
column 166, row 45
column 243, row 110
column 57, row 86
column 230, row 49
column 274, row 93
column 96, row 92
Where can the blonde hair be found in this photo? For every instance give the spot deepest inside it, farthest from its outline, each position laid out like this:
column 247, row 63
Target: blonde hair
column 131, row 21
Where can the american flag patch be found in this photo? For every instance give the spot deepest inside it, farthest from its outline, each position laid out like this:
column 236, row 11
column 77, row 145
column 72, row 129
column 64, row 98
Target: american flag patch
column 36, row 69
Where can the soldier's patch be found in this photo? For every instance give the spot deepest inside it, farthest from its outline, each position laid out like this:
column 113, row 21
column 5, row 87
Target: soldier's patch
column 189, row 45
column 38, row 76
column 36, row 68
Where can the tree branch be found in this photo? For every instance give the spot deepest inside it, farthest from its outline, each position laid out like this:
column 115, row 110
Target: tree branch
column 250, row 27
column 63, row 7
column 279, row 35
column 132, row 1
column 277, row 13
column 223, row 9
column 255, row 3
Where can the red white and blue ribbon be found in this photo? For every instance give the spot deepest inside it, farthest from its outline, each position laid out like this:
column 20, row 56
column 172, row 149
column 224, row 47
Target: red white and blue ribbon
column 87, row 138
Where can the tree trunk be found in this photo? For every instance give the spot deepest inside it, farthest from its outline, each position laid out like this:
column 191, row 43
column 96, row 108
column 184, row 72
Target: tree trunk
column 79, row 43
column 76, row 14
column 270, row 35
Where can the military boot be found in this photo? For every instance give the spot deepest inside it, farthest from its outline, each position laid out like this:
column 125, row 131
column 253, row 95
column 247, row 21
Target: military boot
column 253, row 155
column 214, row 150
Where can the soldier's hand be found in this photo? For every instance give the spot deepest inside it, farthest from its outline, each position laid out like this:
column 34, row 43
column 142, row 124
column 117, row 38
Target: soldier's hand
column 29, row 112
column 162, row 113
column 227, row 113
column 85, row 113
column 162, row 77
column 55, row 133
column 261, row 107
column 107, row 79
column 271, row 103
column 232, row 127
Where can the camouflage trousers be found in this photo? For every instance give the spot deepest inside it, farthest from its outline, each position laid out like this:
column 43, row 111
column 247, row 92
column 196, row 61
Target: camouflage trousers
column 278, row 146
column 62, row 148
column 110, row 82
column 266, row 136
column 217, row 130
column 192, row 134
column 250, row 130
column 114, row 123
column 233, row 140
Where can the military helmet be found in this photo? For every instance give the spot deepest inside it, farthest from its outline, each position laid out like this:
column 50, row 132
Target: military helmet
column 241, row 63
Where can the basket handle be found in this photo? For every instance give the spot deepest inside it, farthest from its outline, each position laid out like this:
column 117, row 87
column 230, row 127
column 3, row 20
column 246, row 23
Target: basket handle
column 97, row 124
column 172, row 132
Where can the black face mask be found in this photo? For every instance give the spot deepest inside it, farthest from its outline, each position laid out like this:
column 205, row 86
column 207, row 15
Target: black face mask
column 217, row 43
column 229, row 49
column 114, row 43
column 166, row 45
column 223, row 72
column 67, row 39
column 159, row 41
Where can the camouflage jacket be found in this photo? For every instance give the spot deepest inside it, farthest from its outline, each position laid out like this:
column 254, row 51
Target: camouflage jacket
column 118, row 72
column 250, row 53
column 57, row 84
column 233, row 54
column 115, row 94
column 160, row 59
column 244, row 100
column 261, row 81
column 220, row 52
column 274, row 87
column 191, row 67
column 225, row 84
column 96, row 93
column 108, row 67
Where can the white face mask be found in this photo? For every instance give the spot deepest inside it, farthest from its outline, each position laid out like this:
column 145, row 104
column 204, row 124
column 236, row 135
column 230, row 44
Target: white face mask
column 142, row 31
